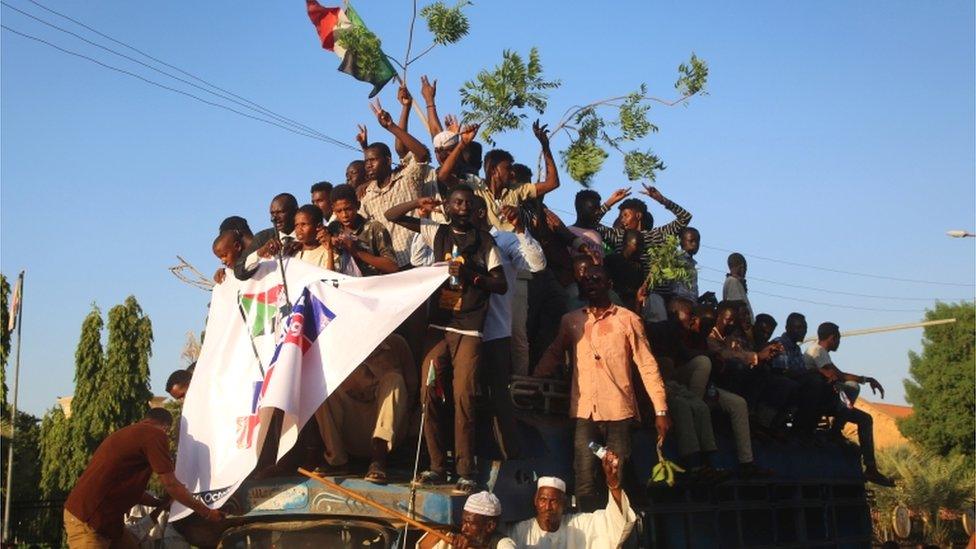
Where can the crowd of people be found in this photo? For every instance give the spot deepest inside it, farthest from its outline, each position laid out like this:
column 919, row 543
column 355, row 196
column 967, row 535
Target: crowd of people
column 530, row 295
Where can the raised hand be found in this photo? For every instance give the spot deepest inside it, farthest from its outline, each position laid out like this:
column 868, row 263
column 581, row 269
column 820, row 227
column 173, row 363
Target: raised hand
column 383, row 117
column 652, row 192
column 426, row 204
column 618, row 195
column 404, row 97
column 452, row 124
column 220, row 275
column 428, row 90
column 362, row 137
column 611, row 469
column 468, row 133
column 541, row 133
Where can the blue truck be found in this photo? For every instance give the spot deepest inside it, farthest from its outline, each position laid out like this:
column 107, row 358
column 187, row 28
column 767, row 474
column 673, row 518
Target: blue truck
column 817, row 497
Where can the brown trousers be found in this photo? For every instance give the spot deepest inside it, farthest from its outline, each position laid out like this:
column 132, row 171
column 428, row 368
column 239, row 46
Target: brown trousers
column 82, row 536
column 455, row 360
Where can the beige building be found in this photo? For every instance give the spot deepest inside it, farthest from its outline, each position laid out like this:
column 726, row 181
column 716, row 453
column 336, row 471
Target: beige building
column 885, row 416
column 65, row 403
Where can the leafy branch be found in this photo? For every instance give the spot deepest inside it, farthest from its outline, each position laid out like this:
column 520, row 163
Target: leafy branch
column 667, row 264
column 497, row 98
column 587, row 129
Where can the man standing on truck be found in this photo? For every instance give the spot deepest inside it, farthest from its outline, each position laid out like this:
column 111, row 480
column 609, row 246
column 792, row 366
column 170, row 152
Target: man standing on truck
column 607, row 527
column 479, row 522
column 116, row 479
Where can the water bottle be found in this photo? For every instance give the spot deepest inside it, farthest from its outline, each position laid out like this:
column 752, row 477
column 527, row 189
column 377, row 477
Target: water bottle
column 455, row 281
column 598, row 450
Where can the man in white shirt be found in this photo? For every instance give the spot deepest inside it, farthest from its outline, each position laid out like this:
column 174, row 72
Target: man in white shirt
column 735, row 288
column 551, row 527
column 519, row 252
column 817, row 357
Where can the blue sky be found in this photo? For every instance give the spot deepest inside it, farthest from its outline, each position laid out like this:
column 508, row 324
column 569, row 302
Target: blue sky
column 835, row 134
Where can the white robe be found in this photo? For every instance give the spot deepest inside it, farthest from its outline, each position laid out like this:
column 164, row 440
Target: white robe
column 604, row 529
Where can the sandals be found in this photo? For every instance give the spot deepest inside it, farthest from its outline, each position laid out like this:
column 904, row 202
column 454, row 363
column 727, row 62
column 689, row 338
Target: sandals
column 429, row 478
column 464, row 487
column 375, row 474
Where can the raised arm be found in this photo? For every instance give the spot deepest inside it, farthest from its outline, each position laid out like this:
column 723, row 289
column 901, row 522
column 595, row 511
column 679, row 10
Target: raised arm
column 445, row 174
column 429, row 91
column 552, row 174
column 406, row 100
column 399, row 214
column 410, row 142
column 681, row 216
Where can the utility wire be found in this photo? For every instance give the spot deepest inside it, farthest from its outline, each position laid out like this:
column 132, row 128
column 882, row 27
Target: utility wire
column 837, row 305
column 160, row 61
column 164, row 86
column 839, row 271
column 227, row 96
column 839, row 292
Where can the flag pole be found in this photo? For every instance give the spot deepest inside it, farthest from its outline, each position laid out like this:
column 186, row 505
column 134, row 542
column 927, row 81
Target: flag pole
column 13, row 415
column 430, row 382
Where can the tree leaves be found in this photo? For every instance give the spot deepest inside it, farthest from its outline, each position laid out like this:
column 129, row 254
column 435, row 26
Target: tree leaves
column 447, row 25
column 583, row 159
column 693, row 76
column 364, row 46
column 642, row 165
column 497, row 98
column 667, row 264
column 632, row 117
column 942, row 384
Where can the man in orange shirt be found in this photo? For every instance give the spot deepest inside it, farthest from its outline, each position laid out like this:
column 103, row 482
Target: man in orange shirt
column 604, row 342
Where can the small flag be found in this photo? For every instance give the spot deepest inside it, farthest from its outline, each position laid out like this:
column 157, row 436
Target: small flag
column 330, row 24
column 432, row 384
column 15, row 304
column 261, row 310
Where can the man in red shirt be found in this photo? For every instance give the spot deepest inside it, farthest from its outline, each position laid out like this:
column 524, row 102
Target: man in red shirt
column 116, row 479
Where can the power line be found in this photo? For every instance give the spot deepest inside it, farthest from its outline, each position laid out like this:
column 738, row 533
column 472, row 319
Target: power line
column 245, row 103
column 163, row 86
column 837, row 305
column 156, row 59
column 839, row 292
column 839, row 271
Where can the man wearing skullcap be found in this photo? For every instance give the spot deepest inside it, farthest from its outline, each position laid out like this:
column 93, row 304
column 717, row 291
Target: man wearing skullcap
column 479, row 521
column 551, row 527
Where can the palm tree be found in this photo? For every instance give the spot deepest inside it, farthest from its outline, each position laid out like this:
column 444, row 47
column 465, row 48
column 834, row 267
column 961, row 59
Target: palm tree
column 929, row 486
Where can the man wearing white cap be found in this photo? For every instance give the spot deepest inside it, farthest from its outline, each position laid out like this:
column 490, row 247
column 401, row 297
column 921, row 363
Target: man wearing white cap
column 604, row 528
column 479, row 522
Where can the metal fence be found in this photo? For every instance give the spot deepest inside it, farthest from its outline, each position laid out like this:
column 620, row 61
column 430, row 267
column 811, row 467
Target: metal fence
column 37, row 523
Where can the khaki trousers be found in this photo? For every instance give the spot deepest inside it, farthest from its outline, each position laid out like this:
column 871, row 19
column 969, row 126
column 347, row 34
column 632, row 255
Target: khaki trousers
column 82, row 536
column 341, row 419
column 694, row 375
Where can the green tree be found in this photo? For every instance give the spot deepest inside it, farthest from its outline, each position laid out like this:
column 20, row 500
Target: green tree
column 57, row 450
column 126, row 374
column 4, row 340
column 925, row 484
column 87, row 405
column 942, row 384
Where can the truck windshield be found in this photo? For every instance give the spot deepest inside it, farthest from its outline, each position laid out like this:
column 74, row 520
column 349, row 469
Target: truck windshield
column 307, row 533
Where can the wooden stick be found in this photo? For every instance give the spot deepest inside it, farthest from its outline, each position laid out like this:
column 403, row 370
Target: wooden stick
column 895, row 327
column 363, row 499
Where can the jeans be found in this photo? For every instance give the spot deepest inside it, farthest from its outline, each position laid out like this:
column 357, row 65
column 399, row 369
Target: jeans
column 615, row 435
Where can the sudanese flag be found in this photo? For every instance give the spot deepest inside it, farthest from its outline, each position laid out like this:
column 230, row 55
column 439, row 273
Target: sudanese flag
column 330, row 24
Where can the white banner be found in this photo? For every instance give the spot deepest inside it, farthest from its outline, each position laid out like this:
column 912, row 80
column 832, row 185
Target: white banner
column 254, row 358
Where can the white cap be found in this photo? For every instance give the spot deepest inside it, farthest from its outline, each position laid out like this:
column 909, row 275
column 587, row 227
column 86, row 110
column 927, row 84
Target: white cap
column 483, row 503
column 445, row 140
column 552, row 482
